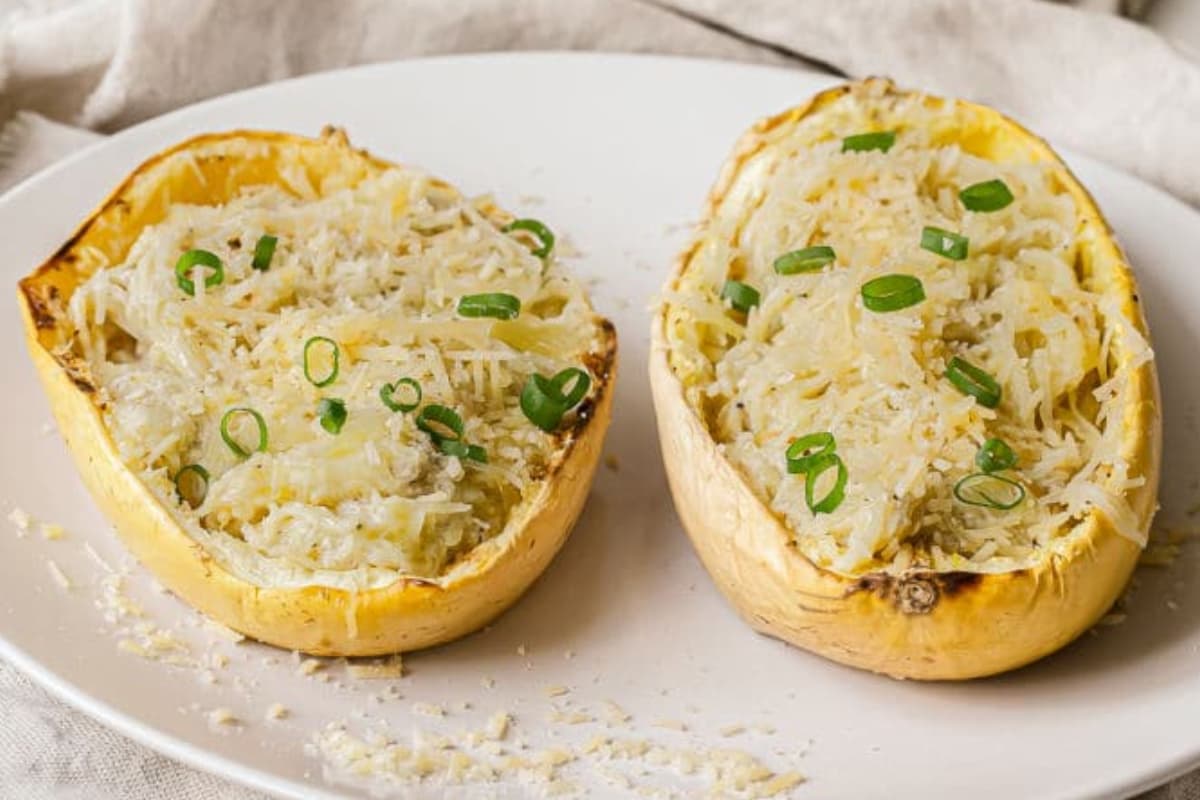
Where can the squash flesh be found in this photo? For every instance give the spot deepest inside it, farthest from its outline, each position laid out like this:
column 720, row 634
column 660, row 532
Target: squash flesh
column 905, row 564
column 377, row 608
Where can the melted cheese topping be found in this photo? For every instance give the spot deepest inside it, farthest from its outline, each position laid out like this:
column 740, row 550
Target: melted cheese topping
column 379, row 269
column 811, row 358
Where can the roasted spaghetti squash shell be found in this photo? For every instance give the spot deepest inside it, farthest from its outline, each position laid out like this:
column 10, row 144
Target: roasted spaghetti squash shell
column 405, row 615
column 922, row 625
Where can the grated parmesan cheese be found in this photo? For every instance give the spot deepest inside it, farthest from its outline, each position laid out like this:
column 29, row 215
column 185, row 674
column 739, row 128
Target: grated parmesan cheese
column 309, row 666
column 670, row 724
column 380, row 764
column 570, row 717
column 53, row 532
column 497, row 726
column 222, row 717
column 428, row 710
column 377, row 267
column 392, row 667
column 114, row 604
column 21, row 520
column 59, row 576
column 137, row 633
column 809, row 357
column 100, row 562
column 614, row 714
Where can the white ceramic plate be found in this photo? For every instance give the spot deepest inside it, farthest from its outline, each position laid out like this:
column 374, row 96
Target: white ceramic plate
column 616, row 152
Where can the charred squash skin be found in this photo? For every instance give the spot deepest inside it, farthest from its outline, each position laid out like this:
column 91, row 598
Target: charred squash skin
column 921, row 624
column 406, row 615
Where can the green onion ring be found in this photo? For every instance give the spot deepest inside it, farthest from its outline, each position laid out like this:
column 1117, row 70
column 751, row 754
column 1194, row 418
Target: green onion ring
column 945, row 243
column 544, row 235
column 986, row 196
column 987, row 490
column 892, row 293
column 995, row 455
column 264, row 251
column 232, row 443
column 436, row 420
column 387, row 394
column 862, row 142
column 333, row 370
column 819, row 466
column 198, row 471
column 460, row 449
column 198, row 258
column 492, row 304
column 970, row 379
column 808, row 259
column 742, row 296
column 542, row 403
column 803, row 452
column 332, row 413
column 582, row 382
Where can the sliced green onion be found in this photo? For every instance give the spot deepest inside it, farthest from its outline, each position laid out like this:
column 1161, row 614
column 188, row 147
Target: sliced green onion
column 264, row 251
column 387, row 393
column 986, row 196
column 440, row 422
column 945, row 243
column 193, row 499
column 995, row 455
column 460, row 449
column 198, row 258
column 892, row 293
column 580, row 382
column 332, row 413
column 333, row 369
column 239, row 450
column 970, row 379
column 492, row 304
column 834, row 497
column 542, row 404
column 861, row 142
column 742, row 296
column 445, row 427
column 544, row 235
column 809, row 259
column 803, row 452
column 989, row 491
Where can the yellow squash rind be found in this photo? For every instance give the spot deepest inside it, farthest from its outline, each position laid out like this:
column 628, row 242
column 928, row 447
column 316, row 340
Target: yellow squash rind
column 406, row 615
column 922, row 625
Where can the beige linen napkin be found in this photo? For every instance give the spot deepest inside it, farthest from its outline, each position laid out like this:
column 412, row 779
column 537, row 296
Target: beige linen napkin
column 1095, row 82
column 1088, row 79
